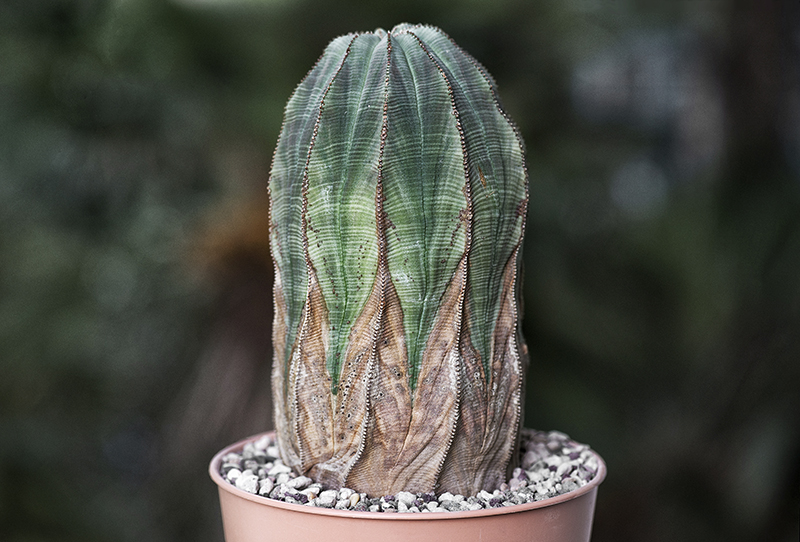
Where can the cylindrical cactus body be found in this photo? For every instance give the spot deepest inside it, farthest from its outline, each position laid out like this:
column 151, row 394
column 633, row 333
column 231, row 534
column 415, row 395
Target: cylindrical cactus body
column 398, row 199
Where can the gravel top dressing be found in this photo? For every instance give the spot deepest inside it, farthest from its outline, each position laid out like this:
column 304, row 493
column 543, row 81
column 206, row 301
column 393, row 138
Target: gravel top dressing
column 551, row 464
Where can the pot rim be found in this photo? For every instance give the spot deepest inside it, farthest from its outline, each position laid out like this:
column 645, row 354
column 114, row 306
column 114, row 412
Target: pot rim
column 213, row 470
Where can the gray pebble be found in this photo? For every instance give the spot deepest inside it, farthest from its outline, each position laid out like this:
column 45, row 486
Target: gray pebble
column 553, row 446
column 569, row 485
column 529, row 459
column 451, row 506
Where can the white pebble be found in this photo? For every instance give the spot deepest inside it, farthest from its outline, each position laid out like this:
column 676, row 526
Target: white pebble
column 406, row 498
column 310, row 492
column 345, row 493
column 247, row 482
column 233, row 474
column 279, row 468
column 300, row 482
column 265, row 485
column 553, row 460
column 565, row 468
column 327, row 498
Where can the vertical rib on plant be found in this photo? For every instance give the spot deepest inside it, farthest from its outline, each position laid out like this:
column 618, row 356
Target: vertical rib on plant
column 398, row 199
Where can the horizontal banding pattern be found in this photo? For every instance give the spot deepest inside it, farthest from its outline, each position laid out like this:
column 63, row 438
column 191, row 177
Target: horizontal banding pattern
column 398, row 196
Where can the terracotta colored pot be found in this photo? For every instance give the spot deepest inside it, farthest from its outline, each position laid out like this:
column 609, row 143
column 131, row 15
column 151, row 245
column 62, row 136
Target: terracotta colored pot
column 252, row 518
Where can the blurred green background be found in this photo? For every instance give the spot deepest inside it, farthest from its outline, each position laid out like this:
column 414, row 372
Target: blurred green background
column 662, row 259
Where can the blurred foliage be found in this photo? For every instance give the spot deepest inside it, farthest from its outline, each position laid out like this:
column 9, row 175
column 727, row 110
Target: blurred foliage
column 662, row 260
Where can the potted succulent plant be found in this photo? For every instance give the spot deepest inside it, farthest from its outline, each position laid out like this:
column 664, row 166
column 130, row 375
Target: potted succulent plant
column 398, row 198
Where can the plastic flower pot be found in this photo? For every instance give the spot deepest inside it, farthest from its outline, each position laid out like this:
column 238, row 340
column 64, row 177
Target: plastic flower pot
column 253, row 518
